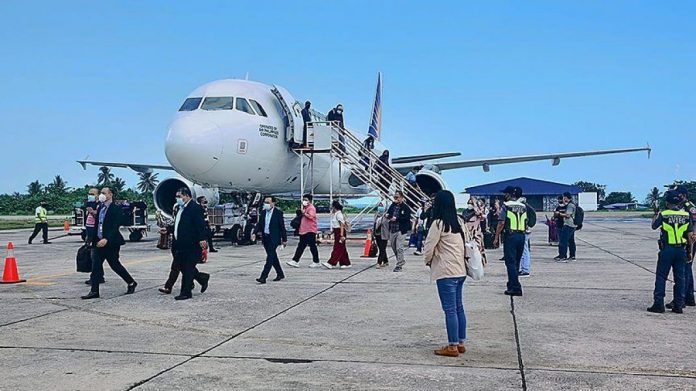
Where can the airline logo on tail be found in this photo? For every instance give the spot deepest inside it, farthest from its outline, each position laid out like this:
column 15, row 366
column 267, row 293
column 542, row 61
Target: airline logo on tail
column 376, row 122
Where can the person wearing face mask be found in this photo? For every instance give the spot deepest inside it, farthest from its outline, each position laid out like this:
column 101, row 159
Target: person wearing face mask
column 526, row 260
column 91, row 207
column 339, row 254
column 40, row 223
column 381, row 230
column 108, row 242
column 473, row 216
column 308, row 233
column 336, row 116
column 271, row 228
column 382, row 171
column 203, row 202
column 399, row 216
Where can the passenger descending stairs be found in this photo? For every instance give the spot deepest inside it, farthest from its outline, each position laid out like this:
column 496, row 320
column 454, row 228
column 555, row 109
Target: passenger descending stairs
column 367, row 167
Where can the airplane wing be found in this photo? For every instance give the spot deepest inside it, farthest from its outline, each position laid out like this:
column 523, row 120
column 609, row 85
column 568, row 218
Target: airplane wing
column 420, row 158
column 486, row 163
column 144, row 168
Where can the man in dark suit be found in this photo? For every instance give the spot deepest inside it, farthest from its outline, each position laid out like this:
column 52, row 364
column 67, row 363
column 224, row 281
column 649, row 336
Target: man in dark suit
column 190, row 239
column 108, row 242
column 271, row 228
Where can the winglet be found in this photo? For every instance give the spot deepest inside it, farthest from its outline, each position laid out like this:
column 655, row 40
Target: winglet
column 648, row 149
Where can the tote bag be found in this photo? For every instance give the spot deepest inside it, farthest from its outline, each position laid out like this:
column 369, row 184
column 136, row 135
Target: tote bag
column 473, row 259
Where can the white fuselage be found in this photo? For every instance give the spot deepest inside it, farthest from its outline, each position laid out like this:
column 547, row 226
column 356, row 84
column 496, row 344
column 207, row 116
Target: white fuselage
column 238, row 149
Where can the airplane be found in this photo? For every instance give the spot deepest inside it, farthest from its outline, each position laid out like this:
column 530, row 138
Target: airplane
column 234, row 136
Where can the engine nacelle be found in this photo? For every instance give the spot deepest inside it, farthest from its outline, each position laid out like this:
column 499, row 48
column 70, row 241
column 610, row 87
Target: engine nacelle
column 164, row 195
column 429, row 181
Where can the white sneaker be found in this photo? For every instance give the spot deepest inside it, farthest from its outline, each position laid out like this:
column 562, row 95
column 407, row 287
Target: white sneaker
column 327, row 265
column 314, row 265
column 293, row 263
column 345, row 266
column 417, row 253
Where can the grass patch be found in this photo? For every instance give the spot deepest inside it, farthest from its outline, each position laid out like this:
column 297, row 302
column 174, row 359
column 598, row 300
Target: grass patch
column 19, row 224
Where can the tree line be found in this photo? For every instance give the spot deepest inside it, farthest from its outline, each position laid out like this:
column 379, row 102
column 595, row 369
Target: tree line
column 62, row 199
column 653, row 197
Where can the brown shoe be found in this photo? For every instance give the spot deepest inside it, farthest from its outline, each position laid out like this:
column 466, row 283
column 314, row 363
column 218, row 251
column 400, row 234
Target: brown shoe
column 461, row 348
column 449, row 351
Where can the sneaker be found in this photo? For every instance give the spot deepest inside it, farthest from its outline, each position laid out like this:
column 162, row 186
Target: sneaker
column 293, row 263
column 572, row 259
column 417, row 253
column 345, row 266
column 327, row 265
column 523, row 274
column 314, row 265
column 379, row 266
column 561, row 260
column 397, row 269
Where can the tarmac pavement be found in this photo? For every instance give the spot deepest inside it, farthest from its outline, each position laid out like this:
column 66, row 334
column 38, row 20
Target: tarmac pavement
column 579, row 326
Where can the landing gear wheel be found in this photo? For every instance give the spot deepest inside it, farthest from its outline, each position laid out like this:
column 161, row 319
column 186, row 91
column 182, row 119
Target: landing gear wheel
column 135, row 236
column 236, row 234
column 248, row 230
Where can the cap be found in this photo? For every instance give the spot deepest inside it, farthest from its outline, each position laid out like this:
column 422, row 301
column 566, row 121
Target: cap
column 514, row 191
column 672, row 197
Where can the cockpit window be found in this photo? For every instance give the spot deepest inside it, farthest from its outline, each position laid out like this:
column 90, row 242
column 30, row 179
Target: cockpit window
column 191, row 104
column 258, row 108
column 218, row 103
column 243, row 105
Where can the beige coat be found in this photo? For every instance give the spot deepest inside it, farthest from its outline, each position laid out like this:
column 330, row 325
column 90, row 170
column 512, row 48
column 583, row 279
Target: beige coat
column 445, row 252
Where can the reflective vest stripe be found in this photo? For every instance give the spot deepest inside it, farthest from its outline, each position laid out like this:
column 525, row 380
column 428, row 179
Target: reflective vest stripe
column 675, row 232
column 518, row 220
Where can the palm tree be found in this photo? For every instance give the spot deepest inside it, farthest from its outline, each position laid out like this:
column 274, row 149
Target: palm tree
column 35, row 188
column 653, row 198
column 117, row 185
column 58, row 186
column 105, row 176
column 148, row 182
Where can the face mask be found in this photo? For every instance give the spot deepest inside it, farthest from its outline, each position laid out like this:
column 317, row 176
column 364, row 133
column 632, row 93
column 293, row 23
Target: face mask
column 102, row 198
column 180, row 201
column 305, row 203
column 469, row 206
column 91, row 198
column 266, row 206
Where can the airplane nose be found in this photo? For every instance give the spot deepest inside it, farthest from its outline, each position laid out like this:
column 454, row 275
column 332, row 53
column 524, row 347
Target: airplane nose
column 193, row 145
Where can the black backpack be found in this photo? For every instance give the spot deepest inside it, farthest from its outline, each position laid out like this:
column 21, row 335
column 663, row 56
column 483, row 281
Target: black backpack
column 531, row 216
column 295, row 223
column 579, row 217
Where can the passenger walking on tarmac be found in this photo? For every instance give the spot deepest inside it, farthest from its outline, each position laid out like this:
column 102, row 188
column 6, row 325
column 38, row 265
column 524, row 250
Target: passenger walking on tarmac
column 381, row 230
column 526, row 261
column 513, row 221
column 203, row 202
column 108, row 244
column 308, row 233
column 445, row 254
column 40, row 223
column 339, row 254
column 567, row 236
column 306, row 117
column 676, row 228
column 689, row 207
column 418, row 233
column 399, row 216
column 271, row 228
column 472, row 217
column 190, row 240
column 91, row 207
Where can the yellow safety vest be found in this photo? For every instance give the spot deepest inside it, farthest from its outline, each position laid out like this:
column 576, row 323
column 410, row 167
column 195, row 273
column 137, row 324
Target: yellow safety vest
column 40, row 215
column 674, row 226
column 515, row 216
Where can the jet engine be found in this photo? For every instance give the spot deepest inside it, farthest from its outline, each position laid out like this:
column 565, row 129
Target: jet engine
column 165, row 194
column 429, row 180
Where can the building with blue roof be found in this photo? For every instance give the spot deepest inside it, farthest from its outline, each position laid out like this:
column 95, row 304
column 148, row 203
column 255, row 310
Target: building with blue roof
column 542, row 195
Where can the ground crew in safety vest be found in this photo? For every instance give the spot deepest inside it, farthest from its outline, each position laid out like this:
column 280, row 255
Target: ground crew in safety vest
column 513, row 220
column 689, row 207
column 675, row 227
column 40, row 223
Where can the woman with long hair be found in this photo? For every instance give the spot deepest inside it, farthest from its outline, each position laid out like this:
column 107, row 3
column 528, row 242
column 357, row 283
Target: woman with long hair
column 339, row 255
column 445, row 254
column 473, row 215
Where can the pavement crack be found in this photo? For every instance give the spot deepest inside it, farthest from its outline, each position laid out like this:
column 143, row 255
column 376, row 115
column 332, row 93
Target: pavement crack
column 517, row 342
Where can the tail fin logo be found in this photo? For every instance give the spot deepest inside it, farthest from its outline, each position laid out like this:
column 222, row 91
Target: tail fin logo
column 376, row 123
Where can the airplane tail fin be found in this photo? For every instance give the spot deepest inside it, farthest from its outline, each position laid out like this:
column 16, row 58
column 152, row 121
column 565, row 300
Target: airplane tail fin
column 375, row 129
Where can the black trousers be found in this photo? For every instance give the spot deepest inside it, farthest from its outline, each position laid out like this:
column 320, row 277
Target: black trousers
column 272, row 260
column 382, row 247
column 40, row 227
column 176, row 269
column 189, row 271
column 308, row 239
column 513, row 247
column 210, row 239
column 111, row 255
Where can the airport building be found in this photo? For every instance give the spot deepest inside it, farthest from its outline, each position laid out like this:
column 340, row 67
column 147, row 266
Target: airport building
column 542, row 195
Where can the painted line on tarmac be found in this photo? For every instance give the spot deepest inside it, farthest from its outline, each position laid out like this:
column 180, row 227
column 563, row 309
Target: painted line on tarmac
column 333, row 285
column 33, row 317
column 622, row 231
column 618, row 256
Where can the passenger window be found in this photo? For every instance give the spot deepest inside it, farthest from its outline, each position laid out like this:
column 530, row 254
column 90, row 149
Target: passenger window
column 191, row 104
column 218, row 103
column 257, row 106
column 243, row 105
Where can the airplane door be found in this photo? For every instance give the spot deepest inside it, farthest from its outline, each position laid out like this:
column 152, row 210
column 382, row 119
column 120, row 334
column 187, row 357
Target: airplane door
column 293, row 114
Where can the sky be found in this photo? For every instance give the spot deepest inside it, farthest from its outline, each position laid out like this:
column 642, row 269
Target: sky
column 496, row 78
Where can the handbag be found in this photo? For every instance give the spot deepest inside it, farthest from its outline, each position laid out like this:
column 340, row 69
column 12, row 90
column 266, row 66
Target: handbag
column 84, row 259
column 473, row 259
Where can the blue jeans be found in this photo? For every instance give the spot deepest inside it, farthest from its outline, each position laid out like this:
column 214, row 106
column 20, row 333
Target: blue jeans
column 513, row 247
column 526, row 260
column 566, row 241
column 671, row 257
column 450, row 291
column 419, row 240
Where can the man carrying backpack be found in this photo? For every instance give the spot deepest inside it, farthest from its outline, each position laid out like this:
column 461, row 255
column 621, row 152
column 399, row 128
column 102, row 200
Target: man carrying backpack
column 567, row 236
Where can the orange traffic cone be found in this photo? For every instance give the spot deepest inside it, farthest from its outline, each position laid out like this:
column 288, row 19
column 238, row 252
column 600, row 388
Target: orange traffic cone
column 11, row 275
column 368, row 244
